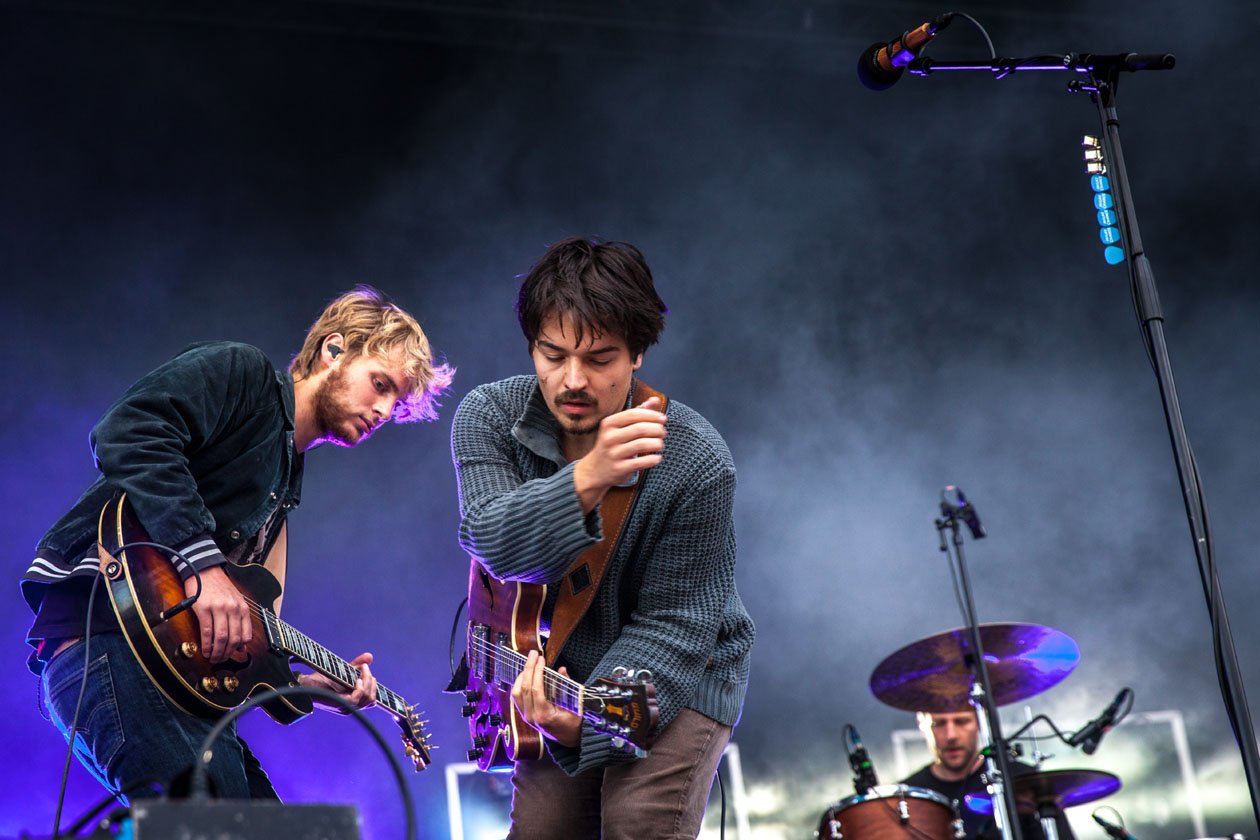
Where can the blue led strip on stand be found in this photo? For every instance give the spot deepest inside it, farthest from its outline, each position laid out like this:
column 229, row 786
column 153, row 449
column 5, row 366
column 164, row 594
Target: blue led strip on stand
column 1104, row 202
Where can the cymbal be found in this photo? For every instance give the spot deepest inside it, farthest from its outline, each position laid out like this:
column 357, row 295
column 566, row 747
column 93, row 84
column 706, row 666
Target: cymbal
column 1062, row 788
column 1065, row 787
column 934, row 674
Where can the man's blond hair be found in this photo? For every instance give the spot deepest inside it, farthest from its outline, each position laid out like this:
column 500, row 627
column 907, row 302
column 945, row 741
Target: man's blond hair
column 371, row 326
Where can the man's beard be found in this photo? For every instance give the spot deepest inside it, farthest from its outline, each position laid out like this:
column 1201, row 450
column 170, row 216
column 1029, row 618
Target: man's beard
column 330, row 409
column 573, row 426
column 961, row 764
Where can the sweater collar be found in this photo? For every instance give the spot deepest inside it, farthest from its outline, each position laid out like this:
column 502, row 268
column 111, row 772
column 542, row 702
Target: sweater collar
column 537, row 430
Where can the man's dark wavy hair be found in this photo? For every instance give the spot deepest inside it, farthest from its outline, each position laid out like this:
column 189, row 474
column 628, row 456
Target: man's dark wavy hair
column 605, row 287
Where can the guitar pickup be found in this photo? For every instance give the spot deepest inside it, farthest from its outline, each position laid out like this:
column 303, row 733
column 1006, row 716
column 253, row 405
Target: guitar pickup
column 275, row 636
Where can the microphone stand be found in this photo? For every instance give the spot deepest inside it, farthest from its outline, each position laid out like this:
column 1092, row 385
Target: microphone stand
column 1001, row 787
column 1101, row 77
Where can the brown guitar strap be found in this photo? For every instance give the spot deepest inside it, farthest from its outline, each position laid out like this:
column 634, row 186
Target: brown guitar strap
column 581, row 581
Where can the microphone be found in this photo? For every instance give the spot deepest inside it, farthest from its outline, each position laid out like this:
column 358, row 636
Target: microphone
column 864, row 777
column 963, row 509
column 1088, row 736
column 882, row 64
column 1116, row 832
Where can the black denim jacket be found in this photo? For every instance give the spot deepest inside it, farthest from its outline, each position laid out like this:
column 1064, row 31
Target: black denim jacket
column 203, row 447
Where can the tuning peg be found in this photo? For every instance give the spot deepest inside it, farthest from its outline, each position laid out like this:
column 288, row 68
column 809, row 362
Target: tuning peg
column 474, row 754
column 469, row 710
column 495, row 720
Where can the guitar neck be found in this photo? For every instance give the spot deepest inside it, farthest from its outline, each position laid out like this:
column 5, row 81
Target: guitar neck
column 309, row 652
column 564, row 692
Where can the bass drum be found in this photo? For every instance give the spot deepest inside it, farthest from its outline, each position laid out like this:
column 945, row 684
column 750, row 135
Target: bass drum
column 891, row 812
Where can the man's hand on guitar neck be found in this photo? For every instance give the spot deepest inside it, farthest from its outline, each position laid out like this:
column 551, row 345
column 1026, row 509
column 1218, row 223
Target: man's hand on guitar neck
column 362, row 695
column 222, row 613
column 529, row 695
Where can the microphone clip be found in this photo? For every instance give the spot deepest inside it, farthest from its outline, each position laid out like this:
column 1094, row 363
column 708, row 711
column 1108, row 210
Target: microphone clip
column 901, row 52
column 955, row 507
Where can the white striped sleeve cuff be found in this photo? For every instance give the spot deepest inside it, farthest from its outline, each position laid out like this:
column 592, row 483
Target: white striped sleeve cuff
column 199, row 553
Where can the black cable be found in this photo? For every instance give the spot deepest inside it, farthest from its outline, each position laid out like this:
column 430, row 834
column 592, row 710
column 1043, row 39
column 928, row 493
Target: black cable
column 78, row 706
column 1019, row 732
column 199, row 783
column 979, row 26
column 87, row 647
column 82, row 822
column 454, row 632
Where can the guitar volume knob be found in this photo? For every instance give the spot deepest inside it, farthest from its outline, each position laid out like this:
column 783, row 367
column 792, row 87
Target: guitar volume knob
column 210, row 684
column 188, row 650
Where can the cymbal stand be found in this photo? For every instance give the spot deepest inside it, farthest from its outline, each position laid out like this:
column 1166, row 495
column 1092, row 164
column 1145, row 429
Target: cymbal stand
column 996, row 764
column 1048, row 812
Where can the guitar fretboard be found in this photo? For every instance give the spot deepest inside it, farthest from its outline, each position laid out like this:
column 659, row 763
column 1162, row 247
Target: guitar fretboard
column 507, row 665
column 297, row 644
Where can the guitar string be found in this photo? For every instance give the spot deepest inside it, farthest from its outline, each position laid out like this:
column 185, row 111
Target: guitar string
column 562, row 687
column 391, row 698
column 515, row 658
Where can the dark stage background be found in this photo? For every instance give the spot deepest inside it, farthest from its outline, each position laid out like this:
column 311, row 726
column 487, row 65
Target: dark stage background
column 872, row 296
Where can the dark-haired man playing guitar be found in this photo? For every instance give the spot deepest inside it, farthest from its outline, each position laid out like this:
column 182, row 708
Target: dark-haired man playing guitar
column 536, row 458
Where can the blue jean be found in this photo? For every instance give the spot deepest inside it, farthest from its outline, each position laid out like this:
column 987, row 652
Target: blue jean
column 130, row 735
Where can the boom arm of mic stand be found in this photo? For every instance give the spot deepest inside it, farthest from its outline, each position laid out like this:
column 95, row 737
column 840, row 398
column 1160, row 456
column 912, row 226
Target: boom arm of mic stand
column 1083, row 63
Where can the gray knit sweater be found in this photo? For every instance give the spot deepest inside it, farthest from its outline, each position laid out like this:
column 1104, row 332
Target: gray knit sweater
column 668, row 601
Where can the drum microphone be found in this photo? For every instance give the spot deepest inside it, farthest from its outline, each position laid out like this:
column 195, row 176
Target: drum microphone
column 1088, row 736
column 1116, row 832
column 864, row 777
column 882, row 64
column 959, row 507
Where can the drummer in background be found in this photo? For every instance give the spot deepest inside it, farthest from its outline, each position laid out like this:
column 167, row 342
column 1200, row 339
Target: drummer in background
column 954, row 738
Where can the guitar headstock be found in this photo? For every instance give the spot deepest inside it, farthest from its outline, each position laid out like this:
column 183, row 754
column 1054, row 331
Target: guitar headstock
column 623, row 706
column 415, row 741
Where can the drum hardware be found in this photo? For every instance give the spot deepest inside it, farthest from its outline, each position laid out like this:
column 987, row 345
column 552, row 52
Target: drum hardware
column 864, row 777
column 891, row 812
column 1114, row 830
column 1053, row 788
column 961, row 668
column 980, row 667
